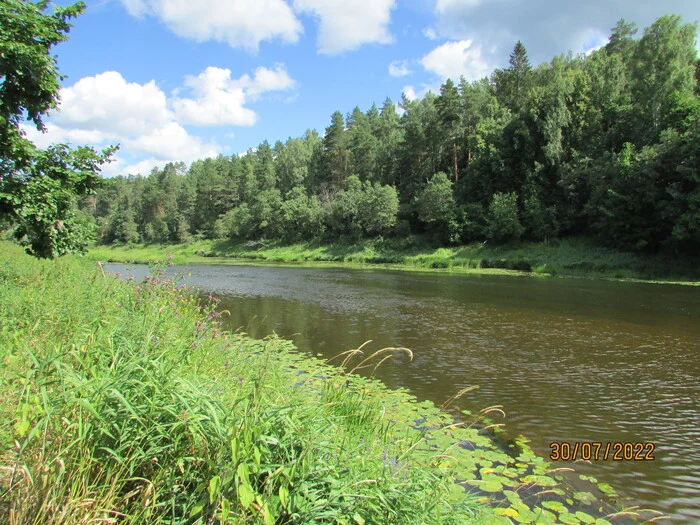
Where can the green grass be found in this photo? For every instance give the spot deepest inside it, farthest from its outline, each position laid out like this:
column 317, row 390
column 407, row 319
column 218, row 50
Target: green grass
column 570, row 257
column 124, row 403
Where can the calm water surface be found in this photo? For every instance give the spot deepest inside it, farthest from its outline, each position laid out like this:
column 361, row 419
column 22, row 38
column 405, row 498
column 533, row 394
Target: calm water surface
column 568, row 359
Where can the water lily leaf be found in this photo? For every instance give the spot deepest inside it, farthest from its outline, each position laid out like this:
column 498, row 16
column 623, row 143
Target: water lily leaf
column 544, row 517
column 554, row 505
column 569, row 519
column 542, row 481
column 585, row 497
column 585, row 518
column 506, row 512
column 491, row 486
column 607, row 489
column 525, row 516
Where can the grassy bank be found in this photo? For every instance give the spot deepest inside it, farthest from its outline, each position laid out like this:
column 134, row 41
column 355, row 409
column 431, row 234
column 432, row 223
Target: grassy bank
column 577, row 257
column 125, row 403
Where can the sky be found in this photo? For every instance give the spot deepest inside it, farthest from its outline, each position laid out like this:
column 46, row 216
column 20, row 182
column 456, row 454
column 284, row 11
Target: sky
column 181, row 80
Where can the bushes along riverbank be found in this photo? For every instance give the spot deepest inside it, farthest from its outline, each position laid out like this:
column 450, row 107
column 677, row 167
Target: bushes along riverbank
column 577, row 257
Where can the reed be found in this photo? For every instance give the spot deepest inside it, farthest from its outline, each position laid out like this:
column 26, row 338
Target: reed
column 125, row 403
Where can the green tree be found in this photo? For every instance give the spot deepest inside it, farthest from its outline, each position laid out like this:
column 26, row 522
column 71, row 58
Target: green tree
column 301, row 216
column 362, row 144
column 336, row 152
column 503, row 221
column 621, row 41
column 39, row 189
column 435, row 205
column 379, row 208
column 449, row 113
column 664, row 68
column 388, row 133
column 512, row 83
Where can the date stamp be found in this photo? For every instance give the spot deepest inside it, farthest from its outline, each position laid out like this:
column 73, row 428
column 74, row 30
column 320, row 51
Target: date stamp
column 599, row 451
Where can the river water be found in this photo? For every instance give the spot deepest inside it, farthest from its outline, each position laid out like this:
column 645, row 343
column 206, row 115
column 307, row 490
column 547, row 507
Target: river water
column 569, row 360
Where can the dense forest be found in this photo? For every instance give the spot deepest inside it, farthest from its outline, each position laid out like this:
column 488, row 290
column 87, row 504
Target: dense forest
column 604, row 145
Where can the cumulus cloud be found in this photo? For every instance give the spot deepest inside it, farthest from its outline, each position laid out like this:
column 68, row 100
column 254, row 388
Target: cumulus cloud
column 106, row 109
column 345, row 25
column 170, row 142
column 239, row 23
column 220, row 100
column 399, row 68
column 546, row 28
column 455, row 59
column 108, row 102
column 413, row 93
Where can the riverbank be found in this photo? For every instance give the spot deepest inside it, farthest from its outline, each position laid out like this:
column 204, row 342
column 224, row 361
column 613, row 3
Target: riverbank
column 124, row 402
column 570, row 257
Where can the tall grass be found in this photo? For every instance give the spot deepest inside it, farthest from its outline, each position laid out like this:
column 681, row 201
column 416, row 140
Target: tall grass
column 126, row 404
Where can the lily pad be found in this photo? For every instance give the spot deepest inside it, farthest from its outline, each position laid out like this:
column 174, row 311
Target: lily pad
column 585, row 518
column 585, row 497
column 569, row 519
column 506, row 512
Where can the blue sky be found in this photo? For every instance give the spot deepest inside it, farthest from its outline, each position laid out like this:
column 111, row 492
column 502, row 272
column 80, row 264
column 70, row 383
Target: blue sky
column 173, row 80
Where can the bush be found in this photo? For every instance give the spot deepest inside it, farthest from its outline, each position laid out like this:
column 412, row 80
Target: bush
column 503, row 221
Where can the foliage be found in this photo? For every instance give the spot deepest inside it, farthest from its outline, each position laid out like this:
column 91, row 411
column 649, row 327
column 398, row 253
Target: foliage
column 38, row 188
column 126, row 402
column 602, row 145
column 503, row 221
column 302, row 216
column 364, row 208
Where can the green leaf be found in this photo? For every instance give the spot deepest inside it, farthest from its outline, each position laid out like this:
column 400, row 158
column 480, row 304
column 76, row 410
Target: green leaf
column 214, row 488
column 284, row 496
column 245, row 494
column 585, row 518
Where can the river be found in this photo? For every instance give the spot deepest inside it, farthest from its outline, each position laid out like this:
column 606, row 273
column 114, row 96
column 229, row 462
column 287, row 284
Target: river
column 569, row 360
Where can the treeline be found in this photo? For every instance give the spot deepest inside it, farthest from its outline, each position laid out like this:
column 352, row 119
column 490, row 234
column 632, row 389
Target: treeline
column 604, row 145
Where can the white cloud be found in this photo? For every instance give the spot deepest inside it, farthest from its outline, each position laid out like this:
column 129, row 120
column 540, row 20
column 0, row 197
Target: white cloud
column 108, row 102
column 546, row 28
column 106, row 109
column 590, row 40
column 410, row 92
column 265, row 80
column 399, row 68
column 171, row 142
column 443, row 6
column 345, row 25
column 455, row 59
column 120, row 166
column 238, row 23
column 220, row 100
column 430, row 33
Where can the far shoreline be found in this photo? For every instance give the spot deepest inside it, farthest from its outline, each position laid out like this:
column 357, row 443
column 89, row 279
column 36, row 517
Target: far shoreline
column 571, row 258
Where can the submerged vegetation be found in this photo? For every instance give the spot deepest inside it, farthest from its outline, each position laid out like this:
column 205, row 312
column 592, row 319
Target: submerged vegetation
column 124, row 402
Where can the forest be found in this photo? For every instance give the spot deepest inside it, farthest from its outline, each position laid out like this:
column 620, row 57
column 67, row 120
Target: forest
column 603, row 145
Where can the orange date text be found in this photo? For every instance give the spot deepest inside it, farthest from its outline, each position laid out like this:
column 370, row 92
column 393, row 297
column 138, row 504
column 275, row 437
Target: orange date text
column 601, row 451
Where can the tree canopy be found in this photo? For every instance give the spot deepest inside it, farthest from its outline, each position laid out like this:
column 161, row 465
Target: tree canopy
column 38, row 188
column 603, row 145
